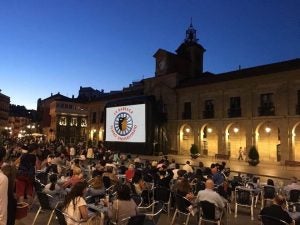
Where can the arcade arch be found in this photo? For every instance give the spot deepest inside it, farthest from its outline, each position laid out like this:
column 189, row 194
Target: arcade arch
column 296, row 141
column 186, row 139
column 267, row 139
column 235, row 137
column 209, row 139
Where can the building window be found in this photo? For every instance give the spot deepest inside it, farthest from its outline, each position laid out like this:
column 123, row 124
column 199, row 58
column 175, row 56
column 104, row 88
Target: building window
column 209, row 111
column 83, row 122
column 187, row 112
column 94, row 117
column 63, row 121
column 235, row 107
column 266, row 105
column 73, row 121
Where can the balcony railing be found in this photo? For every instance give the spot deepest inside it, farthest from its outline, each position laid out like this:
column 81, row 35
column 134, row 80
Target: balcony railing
column 186, row 115
column 237, row 112
column 208, row 114
column 266, row 110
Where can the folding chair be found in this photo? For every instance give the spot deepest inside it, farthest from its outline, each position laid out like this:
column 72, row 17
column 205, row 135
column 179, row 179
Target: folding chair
column 63, row 217
column 182, row 205
column 294, row 196
column 164, row 195
column 137, row 199
column 267, row 194
column 133, row 220
column 207, row 213
column 44, row 205
column 270, row 220
column 244, row 197
column 152, row 211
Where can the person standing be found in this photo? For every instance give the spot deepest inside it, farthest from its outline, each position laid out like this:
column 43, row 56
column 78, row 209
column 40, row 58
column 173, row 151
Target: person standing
column 3, row 190
column 240, row 154
column 10, row 171
column 26, row 174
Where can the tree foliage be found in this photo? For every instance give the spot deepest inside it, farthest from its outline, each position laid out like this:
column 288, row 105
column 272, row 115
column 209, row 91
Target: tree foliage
column 194, row 149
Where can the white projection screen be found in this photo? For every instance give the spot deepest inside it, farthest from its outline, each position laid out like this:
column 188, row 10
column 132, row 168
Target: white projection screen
column 126, row 123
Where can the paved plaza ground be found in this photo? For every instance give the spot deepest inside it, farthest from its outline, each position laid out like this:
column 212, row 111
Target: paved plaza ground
column 278, row 172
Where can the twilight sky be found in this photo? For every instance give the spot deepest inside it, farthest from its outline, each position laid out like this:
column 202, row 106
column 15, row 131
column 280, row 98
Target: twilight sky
column 50, row 46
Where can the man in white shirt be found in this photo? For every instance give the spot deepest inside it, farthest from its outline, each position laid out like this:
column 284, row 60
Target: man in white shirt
column 294, row 185
column 3, row 190
column 187, row 167
column 211, row 196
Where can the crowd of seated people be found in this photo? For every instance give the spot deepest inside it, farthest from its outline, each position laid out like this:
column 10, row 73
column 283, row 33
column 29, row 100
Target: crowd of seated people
column 65, row 171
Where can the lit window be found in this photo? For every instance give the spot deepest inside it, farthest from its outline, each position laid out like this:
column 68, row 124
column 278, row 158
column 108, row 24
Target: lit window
column 73, row 121
column 83, row 122
column 63, row 121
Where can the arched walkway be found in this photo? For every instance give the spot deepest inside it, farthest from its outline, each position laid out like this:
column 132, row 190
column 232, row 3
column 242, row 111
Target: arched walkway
column 209, row 139
column 186, row 139
column 268, row 141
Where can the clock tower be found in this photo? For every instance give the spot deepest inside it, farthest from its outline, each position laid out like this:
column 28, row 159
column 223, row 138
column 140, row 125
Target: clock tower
column 191, row 50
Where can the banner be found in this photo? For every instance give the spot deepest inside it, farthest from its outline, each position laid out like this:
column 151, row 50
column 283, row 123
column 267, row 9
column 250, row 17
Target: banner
column 126, row 123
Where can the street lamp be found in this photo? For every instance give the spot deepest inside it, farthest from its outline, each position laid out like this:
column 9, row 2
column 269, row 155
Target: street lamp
column 30, row 128
column 8, row 130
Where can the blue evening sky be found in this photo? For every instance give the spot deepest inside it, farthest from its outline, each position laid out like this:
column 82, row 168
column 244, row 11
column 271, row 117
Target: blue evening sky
column 50, row 46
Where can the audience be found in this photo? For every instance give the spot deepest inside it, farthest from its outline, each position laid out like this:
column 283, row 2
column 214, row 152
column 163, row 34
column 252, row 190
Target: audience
column 278, row 210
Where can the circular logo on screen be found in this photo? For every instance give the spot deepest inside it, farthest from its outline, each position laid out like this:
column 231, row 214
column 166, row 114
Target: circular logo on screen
column 123, row 124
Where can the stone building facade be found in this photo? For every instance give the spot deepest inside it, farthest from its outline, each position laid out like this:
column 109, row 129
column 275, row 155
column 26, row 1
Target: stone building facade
column 220, row 113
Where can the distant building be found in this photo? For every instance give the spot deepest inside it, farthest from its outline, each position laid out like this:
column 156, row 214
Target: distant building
column 63, row 118
column 219, row 113
column 88, row 93
column 4, row 110
column 21, row 121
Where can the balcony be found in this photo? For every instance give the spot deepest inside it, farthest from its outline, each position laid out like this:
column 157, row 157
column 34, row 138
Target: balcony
column 208, row 114
column 234, row 112
column 268, row 110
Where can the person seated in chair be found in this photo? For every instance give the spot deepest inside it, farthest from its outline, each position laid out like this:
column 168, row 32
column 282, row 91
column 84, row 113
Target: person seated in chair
column 278, row 210
column 184, row 189
column 123, row 206
column 53, row 189
column 294, row 185
column 211, row 196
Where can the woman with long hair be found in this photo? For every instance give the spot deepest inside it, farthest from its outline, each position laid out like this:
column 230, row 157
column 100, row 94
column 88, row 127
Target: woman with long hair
column 123, row 206
column 75, row 205
column 53, row 189
column 184, row 189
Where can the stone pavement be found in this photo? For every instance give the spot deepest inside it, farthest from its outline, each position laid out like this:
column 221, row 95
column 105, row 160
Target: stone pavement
column 264, row 169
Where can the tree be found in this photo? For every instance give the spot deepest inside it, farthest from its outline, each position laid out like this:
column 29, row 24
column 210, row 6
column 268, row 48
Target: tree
column 194, row 149
column 253, row 156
